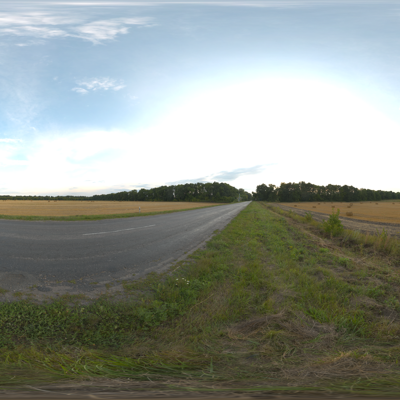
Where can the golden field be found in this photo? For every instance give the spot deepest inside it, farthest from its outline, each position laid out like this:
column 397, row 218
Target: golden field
column 65, row 208
column 375, row 211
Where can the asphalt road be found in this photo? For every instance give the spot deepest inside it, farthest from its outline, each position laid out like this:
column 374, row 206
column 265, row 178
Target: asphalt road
column 51, row 254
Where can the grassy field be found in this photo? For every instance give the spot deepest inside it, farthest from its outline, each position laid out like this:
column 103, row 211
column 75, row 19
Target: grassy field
column 89, row 210
column 275, row 302
column 374, row 211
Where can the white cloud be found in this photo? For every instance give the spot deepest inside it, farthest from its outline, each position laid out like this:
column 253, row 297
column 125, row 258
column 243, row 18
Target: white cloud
column 46, row 25
column 40, row 32
column 98, row 31
column 80, row 90
column 38, row 18
column 98, row 84
column 8, row 140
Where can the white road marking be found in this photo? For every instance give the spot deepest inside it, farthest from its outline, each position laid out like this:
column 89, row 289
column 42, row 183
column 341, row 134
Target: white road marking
column 129, row 229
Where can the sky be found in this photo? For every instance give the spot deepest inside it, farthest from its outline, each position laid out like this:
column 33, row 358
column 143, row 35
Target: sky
column 106, row 96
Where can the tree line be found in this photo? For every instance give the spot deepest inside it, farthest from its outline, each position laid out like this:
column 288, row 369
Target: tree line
column 216, row 192
column 296, row 192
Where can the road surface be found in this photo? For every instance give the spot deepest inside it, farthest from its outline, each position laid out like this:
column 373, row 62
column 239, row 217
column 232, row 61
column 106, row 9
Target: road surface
column 68, row 257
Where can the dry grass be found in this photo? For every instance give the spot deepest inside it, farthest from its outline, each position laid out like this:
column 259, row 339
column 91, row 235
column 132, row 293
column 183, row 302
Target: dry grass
column 314, row 206
column 66, row 208
column 385, row 213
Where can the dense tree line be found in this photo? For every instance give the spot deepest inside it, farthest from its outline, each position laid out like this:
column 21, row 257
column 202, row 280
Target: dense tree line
column 296, row 192
column 215, row 192
column 199, row 192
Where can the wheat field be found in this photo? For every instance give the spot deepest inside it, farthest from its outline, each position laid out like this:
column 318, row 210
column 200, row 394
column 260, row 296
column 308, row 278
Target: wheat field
column 382, row 211
column 61, row 208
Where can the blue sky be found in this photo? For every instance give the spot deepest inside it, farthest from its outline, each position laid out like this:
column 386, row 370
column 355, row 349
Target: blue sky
column 98, row 97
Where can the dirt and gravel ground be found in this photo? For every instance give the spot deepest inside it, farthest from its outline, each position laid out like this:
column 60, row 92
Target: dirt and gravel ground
column 125, row 389
column 370, row 227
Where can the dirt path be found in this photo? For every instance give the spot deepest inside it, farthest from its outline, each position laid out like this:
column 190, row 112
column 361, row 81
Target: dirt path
column 349, row 223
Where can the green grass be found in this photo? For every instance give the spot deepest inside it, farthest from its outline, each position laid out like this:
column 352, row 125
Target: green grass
column 96, row 217
column 273, row 303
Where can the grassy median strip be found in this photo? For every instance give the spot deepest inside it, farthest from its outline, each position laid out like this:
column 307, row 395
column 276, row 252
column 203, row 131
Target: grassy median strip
column 272, row 303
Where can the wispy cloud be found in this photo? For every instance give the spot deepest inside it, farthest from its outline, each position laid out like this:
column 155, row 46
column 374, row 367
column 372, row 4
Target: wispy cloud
column 8, row 140
column 236, row 173
column 98, row 84
column 47, row 25
column 238, row 3
column 99, row 31
column 39, row 32
column 224, row 175
column 80, row 90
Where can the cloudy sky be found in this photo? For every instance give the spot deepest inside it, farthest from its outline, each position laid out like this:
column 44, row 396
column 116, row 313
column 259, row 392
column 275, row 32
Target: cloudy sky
column 98, row 97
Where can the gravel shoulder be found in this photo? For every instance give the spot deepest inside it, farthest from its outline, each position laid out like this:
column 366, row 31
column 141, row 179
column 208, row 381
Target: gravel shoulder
column 349, row 223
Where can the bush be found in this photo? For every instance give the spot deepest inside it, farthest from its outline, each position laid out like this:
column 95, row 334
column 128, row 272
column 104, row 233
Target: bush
column 333, row 225
column 308, row 217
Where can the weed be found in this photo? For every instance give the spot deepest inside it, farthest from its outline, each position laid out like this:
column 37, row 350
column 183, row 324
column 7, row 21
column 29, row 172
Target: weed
column 333, row 226
column 308, row 217
column 344, row 261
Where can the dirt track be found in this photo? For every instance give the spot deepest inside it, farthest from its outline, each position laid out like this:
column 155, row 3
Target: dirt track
column 349, row 223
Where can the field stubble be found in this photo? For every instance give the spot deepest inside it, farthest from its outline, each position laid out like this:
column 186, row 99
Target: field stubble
column 45, row 208
column 387, row 212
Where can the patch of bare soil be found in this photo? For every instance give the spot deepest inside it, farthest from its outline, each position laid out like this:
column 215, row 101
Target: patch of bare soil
column 127, row 389
column 349, row 223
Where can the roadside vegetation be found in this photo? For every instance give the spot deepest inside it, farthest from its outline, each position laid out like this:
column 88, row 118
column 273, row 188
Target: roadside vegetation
column 275, row 302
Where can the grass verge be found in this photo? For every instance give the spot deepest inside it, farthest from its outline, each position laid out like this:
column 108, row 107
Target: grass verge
column 273, row 303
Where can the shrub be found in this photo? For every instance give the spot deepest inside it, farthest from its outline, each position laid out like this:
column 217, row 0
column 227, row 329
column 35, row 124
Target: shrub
column 383, row 235
column 376, row 203
column 314, row 206
column 333, row 206
column 349, row 214
column 308, row 217
column 333, row 225
column 295, row 205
